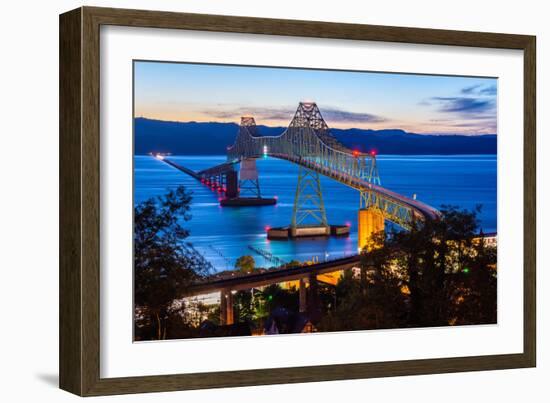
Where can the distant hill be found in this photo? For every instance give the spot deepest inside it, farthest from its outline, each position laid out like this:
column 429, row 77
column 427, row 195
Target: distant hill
column 211, row 138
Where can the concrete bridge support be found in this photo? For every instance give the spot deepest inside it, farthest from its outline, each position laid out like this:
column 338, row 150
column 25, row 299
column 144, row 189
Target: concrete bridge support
column 313, row 303
column 303, row 295
column 226, row 307
column 371, row 221
column 232, row 184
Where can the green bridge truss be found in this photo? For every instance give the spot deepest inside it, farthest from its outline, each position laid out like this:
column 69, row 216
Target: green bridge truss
column 308, row 143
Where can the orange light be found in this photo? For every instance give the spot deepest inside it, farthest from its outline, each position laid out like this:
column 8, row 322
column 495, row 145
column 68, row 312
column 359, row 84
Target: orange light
column 355, row 153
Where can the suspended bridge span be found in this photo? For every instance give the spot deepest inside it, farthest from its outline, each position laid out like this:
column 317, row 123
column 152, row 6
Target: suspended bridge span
column 308, row 143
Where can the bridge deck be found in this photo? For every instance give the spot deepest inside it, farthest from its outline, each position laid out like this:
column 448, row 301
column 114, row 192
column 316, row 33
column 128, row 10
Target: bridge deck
column 362, row 185
column 307, row 141
column 217, row 169
column 188, row 171
column 273, row 276
column 346, row 179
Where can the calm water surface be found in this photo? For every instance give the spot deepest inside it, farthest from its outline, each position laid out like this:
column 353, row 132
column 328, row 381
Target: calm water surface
column 224, row 234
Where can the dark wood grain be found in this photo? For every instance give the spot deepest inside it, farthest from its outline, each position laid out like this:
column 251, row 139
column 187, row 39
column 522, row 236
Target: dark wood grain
column 90, row 202
column 315, row 29
column 70, row 271
column 530, row 202
column 80, row 195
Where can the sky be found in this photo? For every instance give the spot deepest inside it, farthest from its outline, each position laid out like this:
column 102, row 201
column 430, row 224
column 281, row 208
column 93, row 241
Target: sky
column 424, row 104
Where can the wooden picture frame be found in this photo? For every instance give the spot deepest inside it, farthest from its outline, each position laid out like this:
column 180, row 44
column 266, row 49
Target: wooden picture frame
column 80, row 200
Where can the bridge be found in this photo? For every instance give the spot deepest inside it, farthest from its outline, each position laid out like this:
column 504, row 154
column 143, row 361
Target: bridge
column 306, row 277
column 308, row 143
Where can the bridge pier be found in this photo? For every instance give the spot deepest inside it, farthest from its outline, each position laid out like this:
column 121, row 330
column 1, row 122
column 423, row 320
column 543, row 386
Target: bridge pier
column 232, row 184
column 309, row 215
column 313, row 303
column 302, row 293
column 249, row 182
column 371, row 221
column 226, row 307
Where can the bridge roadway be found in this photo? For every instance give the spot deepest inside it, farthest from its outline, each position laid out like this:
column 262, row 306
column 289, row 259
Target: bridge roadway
column 345, row 178
column 188, row 171
column 426, row 211
column 272, row 276
column 422, row 210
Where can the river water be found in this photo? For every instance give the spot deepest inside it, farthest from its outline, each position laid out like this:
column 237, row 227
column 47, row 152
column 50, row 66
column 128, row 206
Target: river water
column 223, row 234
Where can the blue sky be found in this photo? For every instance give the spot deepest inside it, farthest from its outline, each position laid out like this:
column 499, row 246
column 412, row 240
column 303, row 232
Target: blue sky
column 415, row 103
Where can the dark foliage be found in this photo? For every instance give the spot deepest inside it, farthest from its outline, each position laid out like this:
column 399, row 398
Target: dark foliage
column 164, row 264
column 440, row 273
column 245, row 264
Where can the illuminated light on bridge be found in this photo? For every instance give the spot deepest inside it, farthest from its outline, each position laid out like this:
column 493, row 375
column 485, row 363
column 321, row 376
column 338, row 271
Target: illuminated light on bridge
column 242, row 186
column 308, row 143
column 371, row 222
column 267, row 228
column 304, row 277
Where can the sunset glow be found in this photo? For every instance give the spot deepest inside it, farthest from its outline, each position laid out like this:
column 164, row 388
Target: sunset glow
column 415, row 103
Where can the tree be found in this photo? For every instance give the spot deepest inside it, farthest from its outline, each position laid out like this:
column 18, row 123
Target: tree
column 350, row 302
column 245, row 264
column 371, row 300
column 243, row 306
column 435, row 259
column 164, row 264
column 276, row 303
column 439, row 273
column 293, row 263
column 475, row 298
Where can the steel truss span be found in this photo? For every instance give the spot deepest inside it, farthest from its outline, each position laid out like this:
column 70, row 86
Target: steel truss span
column 308, row 142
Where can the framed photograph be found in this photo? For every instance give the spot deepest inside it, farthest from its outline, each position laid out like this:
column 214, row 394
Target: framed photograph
column 251, row 201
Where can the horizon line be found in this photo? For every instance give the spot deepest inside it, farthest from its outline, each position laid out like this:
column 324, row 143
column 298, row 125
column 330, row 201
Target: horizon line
column 330, row 127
